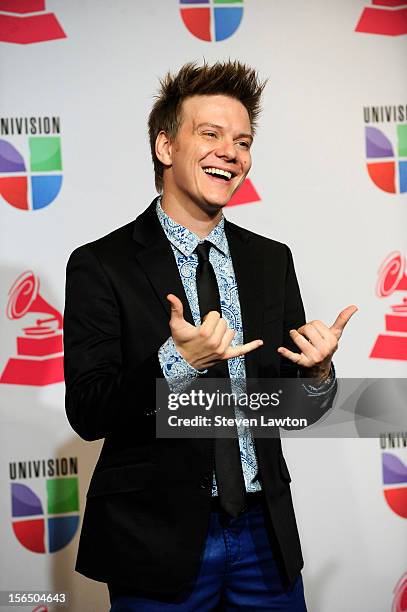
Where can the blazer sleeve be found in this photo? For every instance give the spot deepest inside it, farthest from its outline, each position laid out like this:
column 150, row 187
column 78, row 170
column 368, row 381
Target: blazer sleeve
column 100, row 393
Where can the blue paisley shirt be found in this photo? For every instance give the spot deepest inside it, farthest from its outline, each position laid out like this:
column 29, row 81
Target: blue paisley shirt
column 174, row 366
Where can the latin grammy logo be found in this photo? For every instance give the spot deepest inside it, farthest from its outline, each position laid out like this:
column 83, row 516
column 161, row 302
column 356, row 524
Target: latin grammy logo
column 392, row 277
column 400, row 595
column 385, row 17
column 39, row 358
column 26, row 21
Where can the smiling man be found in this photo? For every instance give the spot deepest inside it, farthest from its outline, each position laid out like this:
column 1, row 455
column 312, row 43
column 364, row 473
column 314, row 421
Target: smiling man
column 181, row 293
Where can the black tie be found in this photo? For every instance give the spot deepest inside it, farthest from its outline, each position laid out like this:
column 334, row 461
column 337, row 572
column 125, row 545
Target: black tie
column 228, row 467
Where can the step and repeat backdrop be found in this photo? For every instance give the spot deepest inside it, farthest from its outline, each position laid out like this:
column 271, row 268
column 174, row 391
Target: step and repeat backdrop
column 329, row 178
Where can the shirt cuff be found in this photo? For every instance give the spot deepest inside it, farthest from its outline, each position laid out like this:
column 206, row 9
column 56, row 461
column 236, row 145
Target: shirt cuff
column 323, row 387
column 177, row 371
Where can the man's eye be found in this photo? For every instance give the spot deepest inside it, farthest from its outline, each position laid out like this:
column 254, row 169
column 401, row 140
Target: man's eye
column 244, row 144
column 211, row 134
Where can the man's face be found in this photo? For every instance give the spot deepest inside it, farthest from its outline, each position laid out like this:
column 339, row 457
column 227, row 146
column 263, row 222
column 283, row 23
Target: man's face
column 211, row 153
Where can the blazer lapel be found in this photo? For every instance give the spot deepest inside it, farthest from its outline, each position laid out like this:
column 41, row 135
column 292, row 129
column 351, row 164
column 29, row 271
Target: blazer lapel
column 156, row 257
column 248, row 267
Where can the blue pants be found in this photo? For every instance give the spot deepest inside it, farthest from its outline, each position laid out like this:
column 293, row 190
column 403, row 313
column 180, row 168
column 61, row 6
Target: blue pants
column 237, row 572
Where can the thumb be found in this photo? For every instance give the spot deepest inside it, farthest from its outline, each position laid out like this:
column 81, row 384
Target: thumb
column 177, row 309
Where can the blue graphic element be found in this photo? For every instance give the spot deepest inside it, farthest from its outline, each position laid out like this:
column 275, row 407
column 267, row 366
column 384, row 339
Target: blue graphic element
column 227, row 20
column 61, row 530
column 45, row 189
column 403, row 176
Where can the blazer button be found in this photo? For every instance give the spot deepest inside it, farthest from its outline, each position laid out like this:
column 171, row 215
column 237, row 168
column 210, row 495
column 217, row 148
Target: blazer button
column 205, row 482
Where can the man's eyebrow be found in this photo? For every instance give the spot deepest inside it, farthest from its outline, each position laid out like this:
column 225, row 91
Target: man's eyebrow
column 219, row 127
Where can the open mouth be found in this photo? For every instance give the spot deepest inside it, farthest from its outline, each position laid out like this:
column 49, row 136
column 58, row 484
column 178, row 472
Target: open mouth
column 224, row 175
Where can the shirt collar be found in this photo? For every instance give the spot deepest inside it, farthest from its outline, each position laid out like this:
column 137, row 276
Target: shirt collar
column 185, row 240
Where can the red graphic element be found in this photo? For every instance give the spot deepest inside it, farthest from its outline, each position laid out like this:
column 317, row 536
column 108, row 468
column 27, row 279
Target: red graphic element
column 22, row 6
column 383, row 174
column 400, row 595
column 389, row 21
column 14, row 191
column 397, row 500
column 245, row 194
column 389, row 2
column 31, row 28
column 31, row 534
column 197, row 20
column 39, row 358
column 40, row 609
column 392, row 277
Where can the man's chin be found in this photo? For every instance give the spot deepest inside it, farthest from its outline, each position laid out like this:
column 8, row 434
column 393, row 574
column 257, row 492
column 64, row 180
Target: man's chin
column 217, row 202
column 214, row 206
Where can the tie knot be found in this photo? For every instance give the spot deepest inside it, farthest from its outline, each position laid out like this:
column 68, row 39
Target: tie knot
column 202, row 250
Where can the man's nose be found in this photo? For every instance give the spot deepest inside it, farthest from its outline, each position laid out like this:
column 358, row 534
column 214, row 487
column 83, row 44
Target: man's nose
column 226, row 149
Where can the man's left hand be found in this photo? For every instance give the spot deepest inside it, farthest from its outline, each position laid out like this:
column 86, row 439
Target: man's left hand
column 317, row 342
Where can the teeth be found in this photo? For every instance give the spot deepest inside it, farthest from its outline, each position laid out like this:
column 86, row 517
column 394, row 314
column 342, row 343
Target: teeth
column 219, row 172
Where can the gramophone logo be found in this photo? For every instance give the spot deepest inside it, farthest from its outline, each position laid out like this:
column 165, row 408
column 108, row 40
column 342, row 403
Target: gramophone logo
column 385, row 17
column 386, row 161
column 45, row 515
column 39, row 359
column 26, row 21
column 212, row 20
column 395, row 483
column 400, row 595
column 392, row 344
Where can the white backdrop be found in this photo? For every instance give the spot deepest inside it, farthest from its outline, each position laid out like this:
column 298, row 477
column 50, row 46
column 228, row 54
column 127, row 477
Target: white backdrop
column 309, row 169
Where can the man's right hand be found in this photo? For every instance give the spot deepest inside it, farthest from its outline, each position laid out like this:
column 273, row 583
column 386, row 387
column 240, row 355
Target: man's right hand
column 207, row 344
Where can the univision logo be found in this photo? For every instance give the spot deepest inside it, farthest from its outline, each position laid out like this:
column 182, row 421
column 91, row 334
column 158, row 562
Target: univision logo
column 45, row 515
column 395, row 483
column 212, row 20
column 31, row 172
column 386, row 147
column 385, row 163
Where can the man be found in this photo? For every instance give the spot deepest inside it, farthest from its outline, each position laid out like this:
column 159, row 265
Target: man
column 181, row 293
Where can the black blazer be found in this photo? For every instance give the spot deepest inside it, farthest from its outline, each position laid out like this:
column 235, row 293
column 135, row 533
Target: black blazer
column 149, row 499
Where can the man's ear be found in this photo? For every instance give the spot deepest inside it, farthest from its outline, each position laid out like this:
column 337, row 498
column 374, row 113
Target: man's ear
column 163, row 148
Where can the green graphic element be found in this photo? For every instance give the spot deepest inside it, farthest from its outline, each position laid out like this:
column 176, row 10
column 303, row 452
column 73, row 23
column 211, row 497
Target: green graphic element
column 45, row 153
column 402, row 138
column 62, row 495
